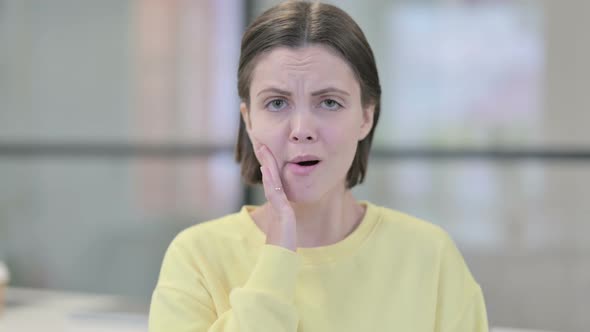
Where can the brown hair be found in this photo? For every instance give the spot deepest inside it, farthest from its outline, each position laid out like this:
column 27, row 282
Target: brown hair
column 297, row 24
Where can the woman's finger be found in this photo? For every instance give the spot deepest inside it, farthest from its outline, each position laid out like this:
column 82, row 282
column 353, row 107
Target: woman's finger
column 271, row 180
column 283, row 231
column 272, row 166
column 268, row 186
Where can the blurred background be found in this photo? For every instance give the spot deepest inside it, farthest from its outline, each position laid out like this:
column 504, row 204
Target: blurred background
column 118, row 119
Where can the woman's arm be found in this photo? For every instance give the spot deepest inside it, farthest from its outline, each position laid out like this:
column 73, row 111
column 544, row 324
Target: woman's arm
column 460, row 306
column 473, row 316
column 182, row 302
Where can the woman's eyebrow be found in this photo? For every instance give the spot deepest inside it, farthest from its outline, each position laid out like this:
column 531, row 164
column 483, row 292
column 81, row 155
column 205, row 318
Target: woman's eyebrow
column 275, row 90
column 330, row 89
column 316, row 93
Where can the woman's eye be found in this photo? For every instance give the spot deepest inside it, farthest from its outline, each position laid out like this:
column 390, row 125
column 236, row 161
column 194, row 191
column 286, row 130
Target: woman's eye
column 331, row 104
column 276, row 104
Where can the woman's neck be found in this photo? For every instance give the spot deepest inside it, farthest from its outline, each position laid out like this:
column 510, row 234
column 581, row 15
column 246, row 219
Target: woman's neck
column 320, row 223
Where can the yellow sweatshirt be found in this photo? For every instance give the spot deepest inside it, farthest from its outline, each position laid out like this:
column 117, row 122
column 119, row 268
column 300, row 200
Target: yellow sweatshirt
column 392, row 273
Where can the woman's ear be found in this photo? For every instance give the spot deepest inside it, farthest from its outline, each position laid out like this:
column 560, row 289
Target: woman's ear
column 367, row 123
column 245, row 116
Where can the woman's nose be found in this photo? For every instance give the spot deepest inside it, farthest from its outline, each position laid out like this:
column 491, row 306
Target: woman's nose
column 302, row 128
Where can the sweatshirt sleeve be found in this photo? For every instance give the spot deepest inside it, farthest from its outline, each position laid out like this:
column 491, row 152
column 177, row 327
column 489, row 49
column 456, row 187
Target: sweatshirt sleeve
column 473, row 316
column 460, row 304
column 182, row 301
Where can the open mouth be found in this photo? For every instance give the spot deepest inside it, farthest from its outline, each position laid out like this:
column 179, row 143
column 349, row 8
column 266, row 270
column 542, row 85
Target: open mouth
column 303, row 168
column 308, row 163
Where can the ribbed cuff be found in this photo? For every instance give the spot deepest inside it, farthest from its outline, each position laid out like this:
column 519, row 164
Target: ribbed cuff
column 276, row 271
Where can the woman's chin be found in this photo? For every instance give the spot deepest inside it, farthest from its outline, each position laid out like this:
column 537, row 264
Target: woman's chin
column 302, row 196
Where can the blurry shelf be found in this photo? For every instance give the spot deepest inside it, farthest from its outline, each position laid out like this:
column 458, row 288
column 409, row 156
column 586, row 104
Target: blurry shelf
column 185, row 150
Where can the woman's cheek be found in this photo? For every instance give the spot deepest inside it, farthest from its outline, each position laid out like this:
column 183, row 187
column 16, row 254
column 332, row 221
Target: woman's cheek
column 262, row 136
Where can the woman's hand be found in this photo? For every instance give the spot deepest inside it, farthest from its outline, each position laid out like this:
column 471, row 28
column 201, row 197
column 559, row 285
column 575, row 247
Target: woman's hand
column 282, row 229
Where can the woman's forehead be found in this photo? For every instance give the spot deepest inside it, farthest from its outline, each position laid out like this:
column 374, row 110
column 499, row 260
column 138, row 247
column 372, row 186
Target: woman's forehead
column 309, row 66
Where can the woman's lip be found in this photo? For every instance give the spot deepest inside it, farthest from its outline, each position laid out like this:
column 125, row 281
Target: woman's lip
column 301, row 170
column 305, row 157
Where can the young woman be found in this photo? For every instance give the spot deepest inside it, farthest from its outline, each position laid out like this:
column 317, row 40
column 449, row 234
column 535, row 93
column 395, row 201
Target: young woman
column 312, row 258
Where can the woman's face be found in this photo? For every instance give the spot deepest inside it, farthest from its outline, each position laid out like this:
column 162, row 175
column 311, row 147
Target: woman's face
column 305, row 106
